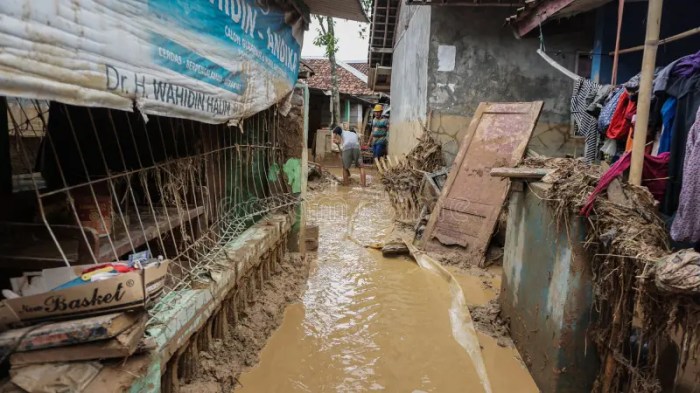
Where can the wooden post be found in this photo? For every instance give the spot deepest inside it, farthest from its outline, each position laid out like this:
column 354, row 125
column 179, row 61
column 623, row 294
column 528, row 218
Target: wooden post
column 616, row 56
column 651, row 43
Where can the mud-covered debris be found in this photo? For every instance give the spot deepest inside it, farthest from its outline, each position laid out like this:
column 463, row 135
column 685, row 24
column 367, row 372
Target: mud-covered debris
column 679, row 273
column 488, row 320
column 226, row 359
column 402, row 178
column 319, row 177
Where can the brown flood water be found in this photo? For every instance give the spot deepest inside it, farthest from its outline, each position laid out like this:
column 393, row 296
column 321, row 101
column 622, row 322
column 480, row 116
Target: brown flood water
column 368, row 323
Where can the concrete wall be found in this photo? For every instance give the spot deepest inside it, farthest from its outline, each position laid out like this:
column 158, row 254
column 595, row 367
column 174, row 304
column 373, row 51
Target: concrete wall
column 409, row 79
column 474, row 58
column 547, row 294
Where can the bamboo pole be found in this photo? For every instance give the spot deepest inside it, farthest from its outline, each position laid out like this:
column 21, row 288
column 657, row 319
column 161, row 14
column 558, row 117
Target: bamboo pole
column 651, row 44
column 666, row 40
column 616, row 56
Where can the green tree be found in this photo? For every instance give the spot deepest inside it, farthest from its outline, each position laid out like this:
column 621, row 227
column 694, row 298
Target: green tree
column 327, row 39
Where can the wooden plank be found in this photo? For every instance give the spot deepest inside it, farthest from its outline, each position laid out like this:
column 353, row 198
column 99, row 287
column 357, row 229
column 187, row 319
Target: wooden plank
column 67, row 333
column 123, row 345
column 467, row 211
column 151, row 229
column 538, row 14
column 521, row 173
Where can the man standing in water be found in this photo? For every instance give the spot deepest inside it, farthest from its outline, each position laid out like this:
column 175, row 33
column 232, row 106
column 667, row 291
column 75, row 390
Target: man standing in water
column 350, row 151
column 380, row 132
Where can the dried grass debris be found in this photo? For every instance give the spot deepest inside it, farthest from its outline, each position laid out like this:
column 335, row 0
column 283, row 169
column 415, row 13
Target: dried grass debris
column 402, row 178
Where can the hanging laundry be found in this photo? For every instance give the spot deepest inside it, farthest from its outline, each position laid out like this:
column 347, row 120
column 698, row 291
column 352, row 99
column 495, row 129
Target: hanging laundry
column 664, row 76
column 654, row 175
column 687, row 66
column 686, row 226
column 632, row 85
column 608, row 110
column 687, row 93
column 584, row 92
column 598, row 99
column 668, row 114
column 621, row 121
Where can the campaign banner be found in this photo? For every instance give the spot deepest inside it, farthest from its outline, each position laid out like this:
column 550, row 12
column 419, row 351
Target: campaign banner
column 208, row 60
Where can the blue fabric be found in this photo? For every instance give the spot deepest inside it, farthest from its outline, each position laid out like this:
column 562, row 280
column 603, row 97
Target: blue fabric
column 379, row 150
column 668, row 114
column 608, row 110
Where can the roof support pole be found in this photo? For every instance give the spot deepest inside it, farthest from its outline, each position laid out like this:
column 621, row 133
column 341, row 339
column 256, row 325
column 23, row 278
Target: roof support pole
column 616, row 56
column 651, row 44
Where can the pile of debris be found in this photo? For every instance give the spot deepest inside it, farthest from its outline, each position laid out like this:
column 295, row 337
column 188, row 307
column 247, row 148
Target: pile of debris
column 637, row 286
column 403, row 177
column 489, row 320
column 319, row 177
column 67, row 320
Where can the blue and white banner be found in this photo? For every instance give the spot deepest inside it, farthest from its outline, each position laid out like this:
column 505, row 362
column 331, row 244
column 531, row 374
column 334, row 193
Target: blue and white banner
column 208, row 60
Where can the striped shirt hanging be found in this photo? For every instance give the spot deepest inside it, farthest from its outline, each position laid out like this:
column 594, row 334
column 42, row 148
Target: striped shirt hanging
column 587, row 125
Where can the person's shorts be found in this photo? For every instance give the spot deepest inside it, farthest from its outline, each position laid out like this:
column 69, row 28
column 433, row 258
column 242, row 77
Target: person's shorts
column 379, row 150
column 350, row 157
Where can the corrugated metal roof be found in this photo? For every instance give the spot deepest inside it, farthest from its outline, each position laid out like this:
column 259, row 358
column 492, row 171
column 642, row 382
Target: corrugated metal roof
column 344, row 9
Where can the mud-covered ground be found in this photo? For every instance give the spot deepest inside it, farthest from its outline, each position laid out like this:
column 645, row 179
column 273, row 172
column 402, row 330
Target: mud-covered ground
column 227, row 359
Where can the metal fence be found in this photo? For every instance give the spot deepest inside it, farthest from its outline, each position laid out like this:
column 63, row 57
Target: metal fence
column 106, row 184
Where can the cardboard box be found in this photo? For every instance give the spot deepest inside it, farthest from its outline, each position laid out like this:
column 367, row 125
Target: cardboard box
column 126, row 292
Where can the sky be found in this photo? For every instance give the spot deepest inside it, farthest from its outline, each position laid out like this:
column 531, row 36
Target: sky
column 350, row 45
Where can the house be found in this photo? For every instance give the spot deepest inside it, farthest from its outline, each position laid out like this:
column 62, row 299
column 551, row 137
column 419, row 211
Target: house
column 440, row 59
column 90, row 157
column 444, row 58
column 356, row 98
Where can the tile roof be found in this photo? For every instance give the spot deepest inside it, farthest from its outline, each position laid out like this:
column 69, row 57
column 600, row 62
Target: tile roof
column 362, row 67
column 348, row 83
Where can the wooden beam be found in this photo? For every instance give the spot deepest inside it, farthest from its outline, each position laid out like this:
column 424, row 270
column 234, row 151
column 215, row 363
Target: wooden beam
column 672, row 38
column 534, row 16
column 521, row 173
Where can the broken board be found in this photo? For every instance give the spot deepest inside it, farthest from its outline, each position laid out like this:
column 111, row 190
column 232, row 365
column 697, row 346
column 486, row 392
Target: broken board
column 470, row 202
column 64, row 333
column 121, row 346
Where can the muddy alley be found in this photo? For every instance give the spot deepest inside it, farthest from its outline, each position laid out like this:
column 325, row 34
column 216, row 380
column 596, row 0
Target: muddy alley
column 367, row 323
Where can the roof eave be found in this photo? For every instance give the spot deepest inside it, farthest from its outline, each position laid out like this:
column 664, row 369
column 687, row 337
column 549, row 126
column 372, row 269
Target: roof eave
column 347, row 9
column 536, row 13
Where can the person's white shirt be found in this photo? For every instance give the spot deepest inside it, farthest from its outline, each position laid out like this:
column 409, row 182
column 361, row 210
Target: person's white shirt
column 350, row 140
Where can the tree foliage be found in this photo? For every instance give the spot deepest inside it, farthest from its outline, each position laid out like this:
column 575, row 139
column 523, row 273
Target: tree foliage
column 327, row 39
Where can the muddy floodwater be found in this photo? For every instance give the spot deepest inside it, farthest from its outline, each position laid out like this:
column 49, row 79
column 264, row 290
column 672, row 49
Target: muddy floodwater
column 367, row 323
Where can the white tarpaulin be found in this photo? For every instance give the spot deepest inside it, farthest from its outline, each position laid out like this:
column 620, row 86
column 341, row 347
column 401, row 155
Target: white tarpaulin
column 207, row 60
